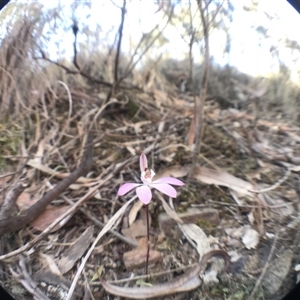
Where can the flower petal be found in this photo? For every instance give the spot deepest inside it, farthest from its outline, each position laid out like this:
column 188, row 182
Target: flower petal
column 143, row 162
column 169, row 180
column 165, row 188
column 144, row 193
column 127, row 187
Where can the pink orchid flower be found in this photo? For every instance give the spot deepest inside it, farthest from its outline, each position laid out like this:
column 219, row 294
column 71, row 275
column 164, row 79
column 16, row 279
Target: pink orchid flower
column 143, row 190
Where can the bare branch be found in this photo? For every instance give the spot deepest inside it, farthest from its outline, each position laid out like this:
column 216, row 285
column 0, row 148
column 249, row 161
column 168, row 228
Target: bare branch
column 69, row 71
column 9, row 202
column 75, row 31
column 123, row 11
column 130, row 68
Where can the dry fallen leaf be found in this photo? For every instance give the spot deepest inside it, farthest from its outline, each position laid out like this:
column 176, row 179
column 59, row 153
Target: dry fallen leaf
column 49, row 263
column 49, row 215
column 174, row 171
column 137, row 257
column 196, row 234
column 223, row 178
column 36, row 164
column 171, row 213
column 139, row 227
column 24, row 201
column 75, row 252
column 186, row 282
column 134, row 211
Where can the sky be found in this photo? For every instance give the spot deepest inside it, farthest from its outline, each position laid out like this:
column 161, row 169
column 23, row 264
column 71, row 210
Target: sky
column 250, row 52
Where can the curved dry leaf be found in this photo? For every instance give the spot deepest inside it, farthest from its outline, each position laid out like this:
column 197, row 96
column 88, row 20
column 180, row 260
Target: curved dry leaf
column 223, row 178
column 196, row 234
column 170, row 212
column 131, row 150
column 137, row 229
column 186, row 282
column 39, row 166
column 236, row 198
column 174, row 171
column 49, row 262
column 134, row 211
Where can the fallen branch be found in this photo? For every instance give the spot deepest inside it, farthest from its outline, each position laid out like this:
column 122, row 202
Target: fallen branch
column 8, row 223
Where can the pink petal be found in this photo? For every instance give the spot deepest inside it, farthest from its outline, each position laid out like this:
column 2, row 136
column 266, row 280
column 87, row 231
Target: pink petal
column 144, row 193
column 165, row 188
column 127, row 187
column 143, row 162
column 169, row 180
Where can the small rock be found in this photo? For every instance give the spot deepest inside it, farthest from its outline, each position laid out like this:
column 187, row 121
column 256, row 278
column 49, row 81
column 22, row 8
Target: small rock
column 234, row 256
column 234, row 243
column 250, row 238
column 235, row 232
column 210, row 277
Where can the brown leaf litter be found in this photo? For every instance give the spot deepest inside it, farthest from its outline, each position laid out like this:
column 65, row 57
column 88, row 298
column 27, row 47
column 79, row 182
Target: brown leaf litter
column 225, row 193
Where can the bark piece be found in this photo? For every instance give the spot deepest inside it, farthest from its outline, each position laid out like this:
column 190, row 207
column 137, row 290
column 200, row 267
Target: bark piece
column 76, row 251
